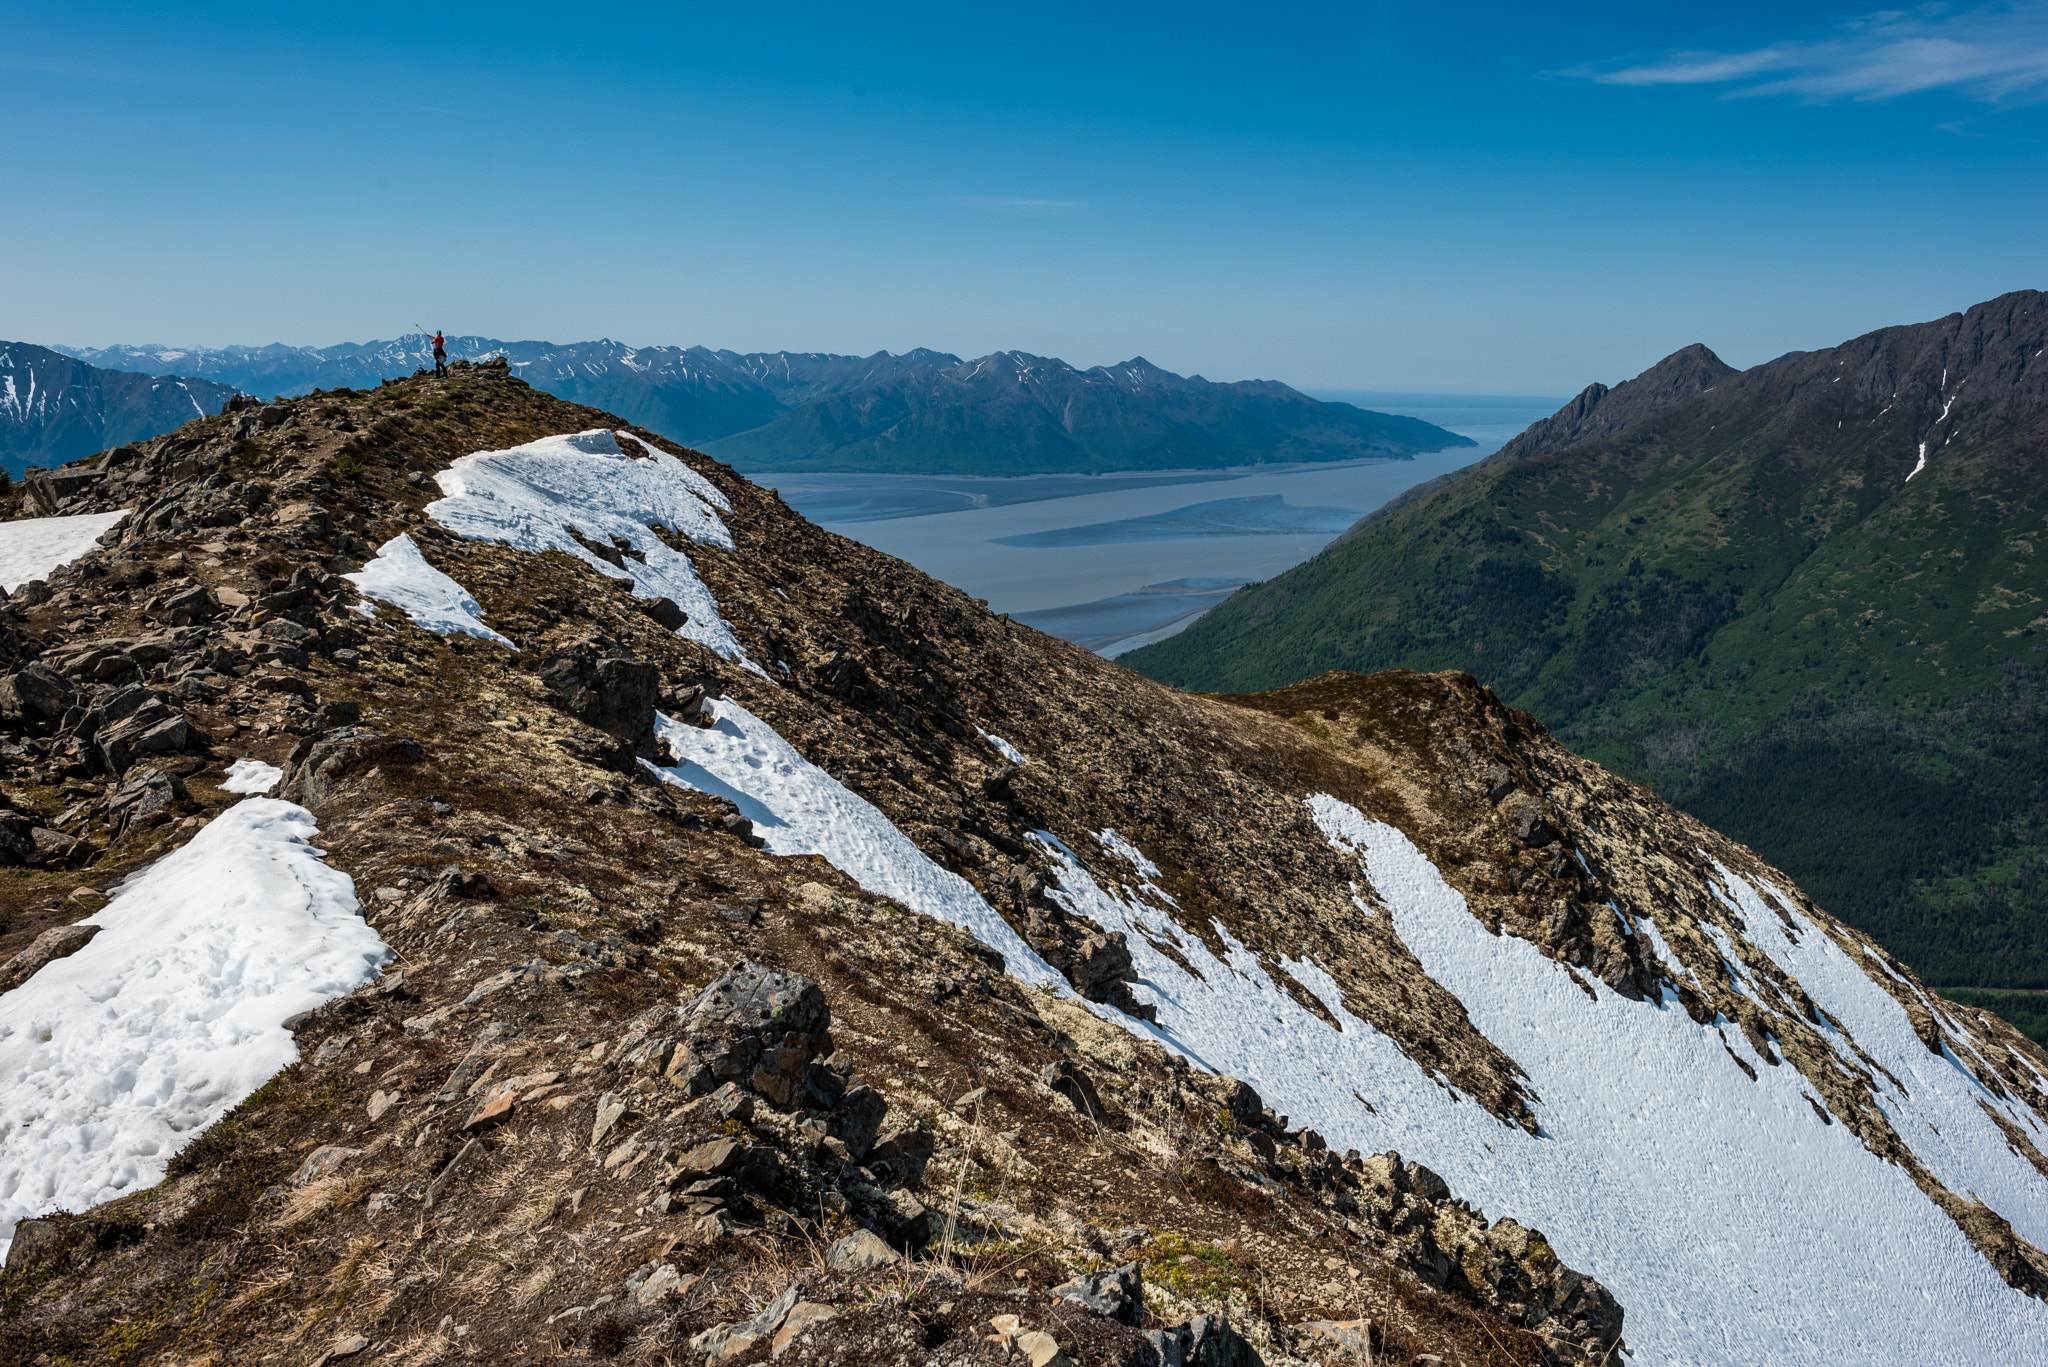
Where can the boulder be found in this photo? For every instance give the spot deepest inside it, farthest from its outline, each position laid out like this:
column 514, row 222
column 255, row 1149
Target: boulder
column 801, row 1316
column 758, row 1026
column 714, row 1159
column 727, row 1342
column 318, row 766
column 322, row 1162
column 902, row 1157
column 35, row 698
column 59, row 942
column 153, row 728
column 613, row 693
column 1234, row 1095
column 17, row 839
column 141, row 795
column 665, row 613
column 1532, row 827
column 1117, row 1293
column 196, row 604
column 857, row 1120
column 47, row 490
column 1070, row 1082
column 54, row 849
column 1205, row 1341
column 860, row 1251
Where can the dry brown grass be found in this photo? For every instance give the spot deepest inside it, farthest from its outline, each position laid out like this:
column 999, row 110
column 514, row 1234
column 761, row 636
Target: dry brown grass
column 321, row 1194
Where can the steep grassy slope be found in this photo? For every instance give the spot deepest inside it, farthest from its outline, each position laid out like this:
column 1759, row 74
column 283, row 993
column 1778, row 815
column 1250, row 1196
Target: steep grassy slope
column 1736, row 588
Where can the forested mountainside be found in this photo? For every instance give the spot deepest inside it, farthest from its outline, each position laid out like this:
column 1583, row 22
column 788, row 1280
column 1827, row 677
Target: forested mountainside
column 55, row 409
column 681, row 934
column 1804, row 601
column 921, row 411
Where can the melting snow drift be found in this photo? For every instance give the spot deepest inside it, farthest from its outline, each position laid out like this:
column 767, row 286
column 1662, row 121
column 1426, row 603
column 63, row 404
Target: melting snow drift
column 113, row 1059
column 530, row 496
column 401, row 576
column 251, row 776
column 30, row 549
column 798, row 808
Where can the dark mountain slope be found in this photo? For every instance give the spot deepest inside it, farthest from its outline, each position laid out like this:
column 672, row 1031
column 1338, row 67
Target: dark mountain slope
column 692, row 393
column 54, row 408
column 919, row 411
column 1735, row 587
column 1012, row 413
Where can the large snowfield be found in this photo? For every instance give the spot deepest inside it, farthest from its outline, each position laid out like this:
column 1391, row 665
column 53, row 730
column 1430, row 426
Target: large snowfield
column 113, row 1059
column 1732, row 1222
column 32, row 547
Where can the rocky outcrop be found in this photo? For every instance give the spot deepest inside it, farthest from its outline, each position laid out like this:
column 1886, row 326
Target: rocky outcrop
column 319, row 765
column 1511, row 1269
column 614, row 693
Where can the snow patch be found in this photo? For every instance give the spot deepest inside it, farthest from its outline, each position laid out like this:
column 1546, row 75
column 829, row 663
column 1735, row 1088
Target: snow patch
column 251, row 776
column 1937, row 1114
column 113, row 1059
column 798, row 808
column 401, row 576
column 33, row 547
column 1003, row 747
column 529, row 497
column 1920, row 465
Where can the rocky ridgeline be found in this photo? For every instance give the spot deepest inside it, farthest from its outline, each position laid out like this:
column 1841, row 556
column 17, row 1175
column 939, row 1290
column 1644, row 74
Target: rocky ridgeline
column 772, row 1119
column 601, row 1106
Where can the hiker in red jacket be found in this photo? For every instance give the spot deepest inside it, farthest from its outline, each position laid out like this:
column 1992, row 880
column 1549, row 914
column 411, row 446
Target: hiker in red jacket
column 440, row 355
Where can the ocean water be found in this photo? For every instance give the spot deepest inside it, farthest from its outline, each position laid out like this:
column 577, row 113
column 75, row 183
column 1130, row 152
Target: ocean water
column 1114, row 561
column 1263, row 515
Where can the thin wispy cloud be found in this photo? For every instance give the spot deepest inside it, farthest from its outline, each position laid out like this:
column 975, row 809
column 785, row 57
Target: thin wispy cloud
column 1998, row 53
column 1015, row 205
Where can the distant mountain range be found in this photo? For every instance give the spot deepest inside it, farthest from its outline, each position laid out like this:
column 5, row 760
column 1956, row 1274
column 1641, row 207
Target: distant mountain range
column 918, row 412
column 54, row 408
column 1807, row 601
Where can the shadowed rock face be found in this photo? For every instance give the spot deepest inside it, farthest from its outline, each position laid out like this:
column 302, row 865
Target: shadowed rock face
column 612, row 693
column 644, row 1041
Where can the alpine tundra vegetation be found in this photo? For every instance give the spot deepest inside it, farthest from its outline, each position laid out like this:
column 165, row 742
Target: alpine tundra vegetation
column 486, row 883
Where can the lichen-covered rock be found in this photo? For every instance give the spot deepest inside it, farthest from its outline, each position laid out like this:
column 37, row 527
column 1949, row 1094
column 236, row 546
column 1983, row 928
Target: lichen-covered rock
column 613, row 693
column 319, row 765
column 760, row 1027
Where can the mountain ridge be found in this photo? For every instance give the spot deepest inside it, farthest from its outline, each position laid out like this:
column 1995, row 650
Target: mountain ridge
column 622, row 752
column 55, row 408
column 1818, row 568
column 1022, row 414
column 803, row 411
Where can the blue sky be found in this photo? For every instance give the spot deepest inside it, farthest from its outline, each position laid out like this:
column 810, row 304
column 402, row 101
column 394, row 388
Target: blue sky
column 1507, row 198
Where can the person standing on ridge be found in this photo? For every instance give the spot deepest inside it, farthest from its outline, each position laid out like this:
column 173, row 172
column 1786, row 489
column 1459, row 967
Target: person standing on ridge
column 440, row 354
